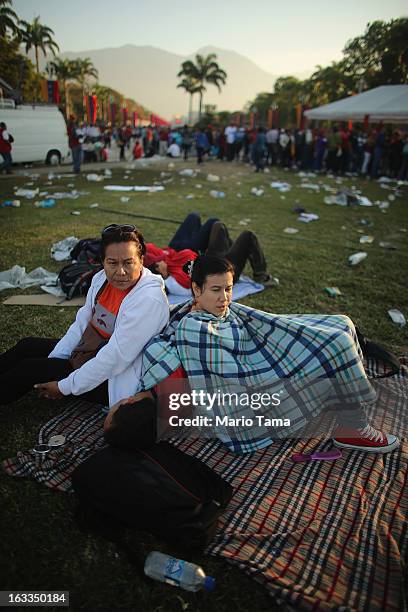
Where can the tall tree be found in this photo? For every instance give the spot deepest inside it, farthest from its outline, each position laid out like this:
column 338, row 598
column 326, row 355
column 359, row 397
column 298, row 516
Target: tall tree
column 8, row 19
column 85, row 69
column 205, row 70
column 65, row 70
column 190, row 86
column 380, row 55
column 38, row 36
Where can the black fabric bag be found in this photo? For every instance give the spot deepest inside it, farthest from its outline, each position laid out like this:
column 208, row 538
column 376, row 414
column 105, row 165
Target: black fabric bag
column 87, row 250
column 372, row 350
column 160, row 490
column 76, row 278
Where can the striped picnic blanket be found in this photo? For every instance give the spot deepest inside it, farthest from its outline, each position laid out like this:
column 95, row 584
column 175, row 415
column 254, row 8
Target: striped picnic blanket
column 318, row 535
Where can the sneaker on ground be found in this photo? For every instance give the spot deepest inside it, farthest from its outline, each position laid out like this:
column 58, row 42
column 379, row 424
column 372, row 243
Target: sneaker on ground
column 267, row 280
column 368, row 439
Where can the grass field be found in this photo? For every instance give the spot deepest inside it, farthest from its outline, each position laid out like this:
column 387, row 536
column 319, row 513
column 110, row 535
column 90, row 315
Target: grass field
column 41, row 548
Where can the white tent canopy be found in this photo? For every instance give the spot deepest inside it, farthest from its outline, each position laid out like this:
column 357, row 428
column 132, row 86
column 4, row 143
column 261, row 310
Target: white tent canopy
column 388, row 103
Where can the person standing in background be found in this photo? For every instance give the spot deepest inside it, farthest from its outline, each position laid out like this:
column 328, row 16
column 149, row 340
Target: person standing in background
column 6, row 141
column 75, row 140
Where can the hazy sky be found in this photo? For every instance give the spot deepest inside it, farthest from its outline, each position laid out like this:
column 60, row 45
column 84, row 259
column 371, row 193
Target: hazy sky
column 282, row 36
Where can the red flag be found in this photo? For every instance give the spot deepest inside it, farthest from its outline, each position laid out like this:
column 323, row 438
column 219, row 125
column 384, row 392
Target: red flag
column 270, row 117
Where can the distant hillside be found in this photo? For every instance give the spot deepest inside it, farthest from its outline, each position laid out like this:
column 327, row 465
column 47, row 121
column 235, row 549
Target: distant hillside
column 149, row 75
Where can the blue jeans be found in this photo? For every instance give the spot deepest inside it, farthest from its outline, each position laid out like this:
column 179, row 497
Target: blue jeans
column 7, row 160
column 192, row 235
column 77, row 158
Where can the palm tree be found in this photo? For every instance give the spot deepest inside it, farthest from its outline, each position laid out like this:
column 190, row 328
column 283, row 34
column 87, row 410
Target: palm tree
column 8, row 19
column 65, row 70
column 205, row 70
column 191, row 86
column 85, row 69
column 39, row 36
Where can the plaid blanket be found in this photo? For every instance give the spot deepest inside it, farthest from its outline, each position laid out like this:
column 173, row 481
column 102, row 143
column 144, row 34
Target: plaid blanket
column 319, row 536
column 312, row 362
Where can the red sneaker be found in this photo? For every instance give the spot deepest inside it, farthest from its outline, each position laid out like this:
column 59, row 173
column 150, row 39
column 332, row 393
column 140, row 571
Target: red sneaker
column 367, row 439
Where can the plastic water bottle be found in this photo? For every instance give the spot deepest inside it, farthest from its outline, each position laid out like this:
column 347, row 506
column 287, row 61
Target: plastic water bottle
column 177, row 572
column 217, row 194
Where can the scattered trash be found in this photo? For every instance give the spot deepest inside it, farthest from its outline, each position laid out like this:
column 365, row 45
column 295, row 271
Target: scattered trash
column 387, row 245
column 213, row 178
column 257, row 192
column 397, row 317
column 307, row 217
column 95, row 177
column 107, row 172
column 217, row 194
column 124, row 199
column 290, row 230
column 187, row 172
column 384, row 205
column 16, row 277
column 48, row 203
column 198, row 186
column 312, row 186
column 306, row 174
column 340, row 199
column 11, row 204
column 357, row 257
column 391, row 197
column 60, row 251
column 333, row 291
column 366, row 222
column 244, row 221
column 27, row 193
column 95, row 205
column 281, row 186
column 239, row 195
column 75, row 212
column 190, row 196
column 170, row 165
column 366, row 239
column 298, row 209
column 51, row 176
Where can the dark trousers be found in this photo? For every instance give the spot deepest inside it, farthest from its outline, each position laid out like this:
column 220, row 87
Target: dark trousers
column 192, row 235
column 76, row 158
column 7, row 161
column 27, row 363
column 245, row 248
column 200, row 153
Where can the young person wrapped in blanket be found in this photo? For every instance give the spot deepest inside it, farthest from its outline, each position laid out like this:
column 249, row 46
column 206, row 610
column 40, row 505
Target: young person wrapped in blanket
column 306, row 363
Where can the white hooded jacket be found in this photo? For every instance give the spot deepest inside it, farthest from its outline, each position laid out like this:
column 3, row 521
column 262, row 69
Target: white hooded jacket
column 143, row 313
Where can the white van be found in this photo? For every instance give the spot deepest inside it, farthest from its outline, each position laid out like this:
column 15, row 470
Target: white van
column 39, row 132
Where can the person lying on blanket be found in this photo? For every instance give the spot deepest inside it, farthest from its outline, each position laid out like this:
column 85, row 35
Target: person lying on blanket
column 100, row 356
column 224, row 345
column 211, row 238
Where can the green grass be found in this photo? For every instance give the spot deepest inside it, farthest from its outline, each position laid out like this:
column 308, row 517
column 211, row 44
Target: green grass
column 41, row 546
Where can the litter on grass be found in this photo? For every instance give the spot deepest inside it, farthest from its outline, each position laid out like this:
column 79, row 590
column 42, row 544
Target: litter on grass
column 333, row 291
column 387, row 245
column 95, row 177
column 48, row 203
column 60, row 251
column 283, row 187
column 213, row 178
column 27, row 193
column 11, row 204
column 217, row 194
column 307, row 217
column 17, row 278
column 356, row 258
column 290, row 230
column 397, row 317
column 187, row 172
column 366, row 239
column 257, row 192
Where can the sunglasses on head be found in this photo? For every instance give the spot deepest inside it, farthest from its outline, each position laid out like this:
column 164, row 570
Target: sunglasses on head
column 114, row 228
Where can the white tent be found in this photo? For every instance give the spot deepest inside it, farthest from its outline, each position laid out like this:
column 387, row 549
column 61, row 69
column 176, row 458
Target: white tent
column 388, row 103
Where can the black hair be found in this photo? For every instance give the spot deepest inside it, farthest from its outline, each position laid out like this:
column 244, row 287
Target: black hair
column 207, row 265
column 133, row 425
column 123, row 236
column 153, row 268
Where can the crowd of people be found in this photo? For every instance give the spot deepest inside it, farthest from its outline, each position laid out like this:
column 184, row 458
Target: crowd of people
column 337, row 149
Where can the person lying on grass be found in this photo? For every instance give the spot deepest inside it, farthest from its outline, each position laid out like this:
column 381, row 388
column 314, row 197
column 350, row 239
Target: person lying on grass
column 220, row 345
column 211, row 238
column 100, row 356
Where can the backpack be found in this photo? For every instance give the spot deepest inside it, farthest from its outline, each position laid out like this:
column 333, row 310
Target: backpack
column 87, row 250
column 76, row 278
column 161, row 490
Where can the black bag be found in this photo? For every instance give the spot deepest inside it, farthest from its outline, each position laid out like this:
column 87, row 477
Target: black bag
column 160, row 490
column 87, row 250
column 372, row 350
column 76, row 278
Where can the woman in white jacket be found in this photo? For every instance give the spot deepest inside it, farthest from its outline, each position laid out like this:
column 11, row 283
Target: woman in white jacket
column 100, row 356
